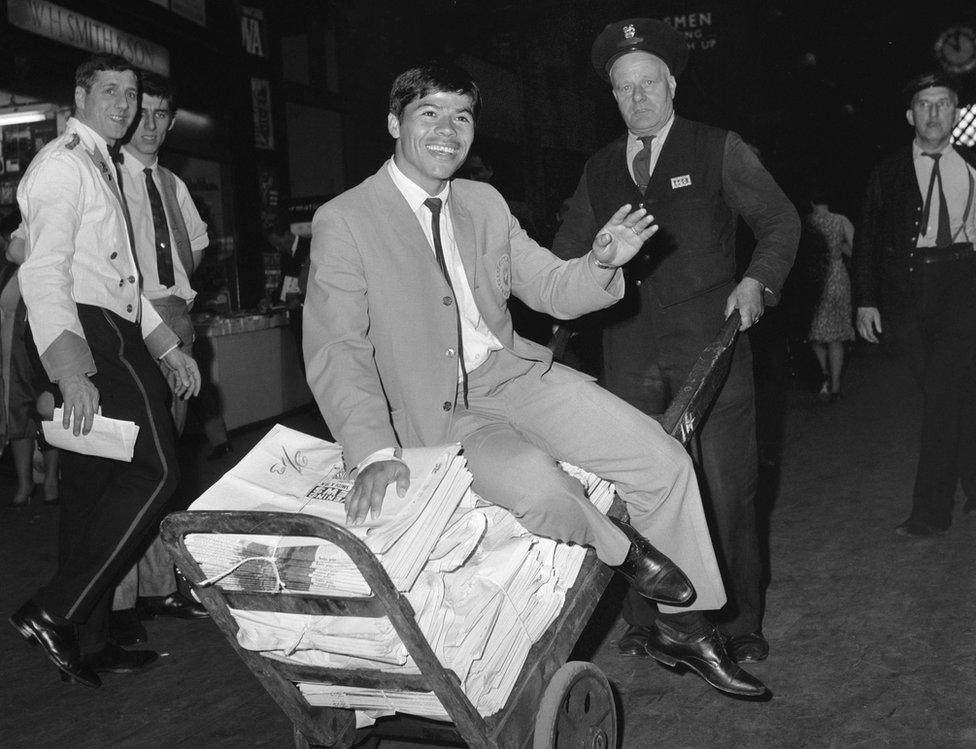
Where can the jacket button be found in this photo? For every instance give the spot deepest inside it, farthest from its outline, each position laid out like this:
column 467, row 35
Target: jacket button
column 132, row 279
column 447, row 301
column 447, row 406
column 450, row 352
column 113, row 256
column 128, row 308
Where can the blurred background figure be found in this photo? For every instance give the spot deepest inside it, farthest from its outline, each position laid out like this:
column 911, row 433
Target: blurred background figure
column 18, row 418
column 831, row 327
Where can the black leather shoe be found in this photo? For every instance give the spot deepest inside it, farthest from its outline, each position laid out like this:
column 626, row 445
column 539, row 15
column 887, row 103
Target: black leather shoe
column 704, row 654
column 651, row 573
column 633, row 642
column 114, row 660
column 913, row 528
column 124, row 628
column 745, row 648
column 175, row 604
column 59, row 640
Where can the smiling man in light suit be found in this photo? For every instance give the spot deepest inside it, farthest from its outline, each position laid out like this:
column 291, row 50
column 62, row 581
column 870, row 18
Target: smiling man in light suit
column 408, row 341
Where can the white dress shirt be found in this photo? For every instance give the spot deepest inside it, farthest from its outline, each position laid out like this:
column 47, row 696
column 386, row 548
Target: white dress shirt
column 634, row 146
column 137, row 197
column 956, row 176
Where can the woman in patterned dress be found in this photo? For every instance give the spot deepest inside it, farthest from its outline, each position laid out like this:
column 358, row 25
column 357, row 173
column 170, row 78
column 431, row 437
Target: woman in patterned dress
column 831, row 327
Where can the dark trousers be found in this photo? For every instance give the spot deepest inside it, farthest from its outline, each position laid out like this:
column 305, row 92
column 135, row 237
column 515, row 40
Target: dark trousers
column 725, row 454
column 108, row 507
column 940, row 341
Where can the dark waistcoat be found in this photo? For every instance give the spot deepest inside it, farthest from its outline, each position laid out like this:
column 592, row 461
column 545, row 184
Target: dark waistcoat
column 693, row 250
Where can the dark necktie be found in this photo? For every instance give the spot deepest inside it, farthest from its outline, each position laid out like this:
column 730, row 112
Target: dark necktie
column 943, row 235
column 164, row 255
column 642, row 163
column 434, row 205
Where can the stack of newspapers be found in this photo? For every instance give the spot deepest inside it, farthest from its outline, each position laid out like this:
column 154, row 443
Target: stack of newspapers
column 483, row 589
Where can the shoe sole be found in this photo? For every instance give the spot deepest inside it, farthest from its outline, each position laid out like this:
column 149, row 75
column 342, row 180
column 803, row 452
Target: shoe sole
column 28, row 634
column 674, row 663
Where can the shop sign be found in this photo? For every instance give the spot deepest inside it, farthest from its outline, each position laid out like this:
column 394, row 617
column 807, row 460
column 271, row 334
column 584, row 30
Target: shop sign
column 252, row 31
column 68, row 27
column 697, row 27
column 261, row 103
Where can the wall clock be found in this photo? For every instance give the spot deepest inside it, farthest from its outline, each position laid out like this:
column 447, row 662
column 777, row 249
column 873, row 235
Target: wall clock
column 955, row 49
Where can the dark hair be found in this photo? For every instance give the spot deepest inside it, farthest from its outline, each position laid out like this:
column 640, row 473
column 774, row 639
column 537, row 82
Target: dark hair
column 161, row 88
column 85, row 73
column 430, row 78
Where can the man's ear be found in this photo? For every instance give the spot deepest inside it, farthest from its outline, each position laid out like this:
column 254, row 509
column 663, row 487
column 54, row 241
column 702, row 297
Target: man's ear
column 393, row 125
column 672, row 84
column 172, row 121
column 910, row 116
column 80, row 94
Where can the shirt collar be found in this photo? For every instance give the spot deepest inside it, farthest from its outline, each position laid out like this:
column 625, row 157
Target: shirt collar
column 659, row 137
column 413, row 193
column 133, row 165
column 92, row 140
column 917, row 150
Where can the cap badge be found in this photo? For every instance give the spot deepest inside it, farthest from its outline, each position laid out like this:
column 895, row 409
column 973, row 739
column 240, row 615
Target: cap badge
column 629, row 31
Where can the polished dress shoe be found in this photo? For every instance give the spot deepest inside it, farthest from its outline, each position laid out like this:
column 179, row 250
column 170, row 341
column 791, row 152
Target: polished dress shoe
column 745, row 648
column 651, row 573
column 124, row 628
column 633, row 642
column 114, row 660
column 175, row 604
column 914, row 528
column 59, row 640
column 705, row 654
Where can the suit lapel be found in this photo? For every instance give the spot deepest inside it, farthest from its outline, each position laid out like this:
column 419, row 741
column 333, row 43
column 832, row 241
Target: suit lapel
column 400, row 223
column 464, row 235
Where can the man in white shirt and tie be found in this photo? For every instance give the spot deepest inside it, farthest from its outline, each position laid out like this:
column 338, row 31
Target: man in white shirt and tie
column 170, row 238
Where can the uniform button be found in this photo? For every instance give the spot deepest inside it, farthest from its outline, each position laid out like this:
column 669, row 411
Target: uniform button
column 113, row 256
column 128, row 308
column 450, row 352
column 132, row 279
column 447, row 301
column 446, row 406
column 638, row 282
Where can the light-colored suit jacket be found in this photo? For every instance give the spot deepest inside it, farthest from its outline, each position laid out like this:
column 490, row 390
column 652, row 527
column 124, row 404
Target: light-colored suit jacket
column 380, row 328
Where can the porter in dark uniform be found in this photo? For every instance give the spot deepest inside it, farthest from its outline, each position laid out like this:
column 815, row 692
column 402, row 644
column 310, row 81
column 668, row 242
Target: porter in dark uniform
column 915, row 281
column 695, row 180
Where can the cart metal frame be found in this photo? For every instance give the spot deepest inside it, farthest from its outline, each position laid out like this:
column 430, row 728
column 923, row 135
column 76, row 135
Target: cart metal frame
column 514, row 725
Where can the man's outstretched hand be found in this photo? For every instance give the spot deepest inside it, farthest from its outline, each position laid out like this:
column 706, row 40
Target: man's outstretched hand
column 369, row 489
column 622, row 236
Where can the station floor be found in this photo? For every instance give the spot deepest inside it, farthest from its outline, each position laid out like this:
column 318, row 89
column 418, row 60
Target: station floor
column 873, row 635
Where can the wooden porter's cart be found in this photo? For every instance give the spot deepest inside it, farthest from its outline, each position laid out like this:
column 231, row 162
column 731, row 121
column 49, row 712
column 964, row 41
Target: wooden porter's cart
column 554, row 703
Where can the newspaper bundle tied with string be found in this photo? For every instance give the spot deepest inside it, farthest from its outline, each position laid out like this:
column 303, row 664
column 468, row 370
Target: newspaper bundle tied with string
column 483, row 589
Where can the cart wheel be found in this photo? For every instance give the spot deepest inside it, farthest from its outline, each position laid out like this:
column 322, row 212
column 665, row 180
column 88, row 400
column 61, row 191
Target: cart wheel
column 577, row 710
